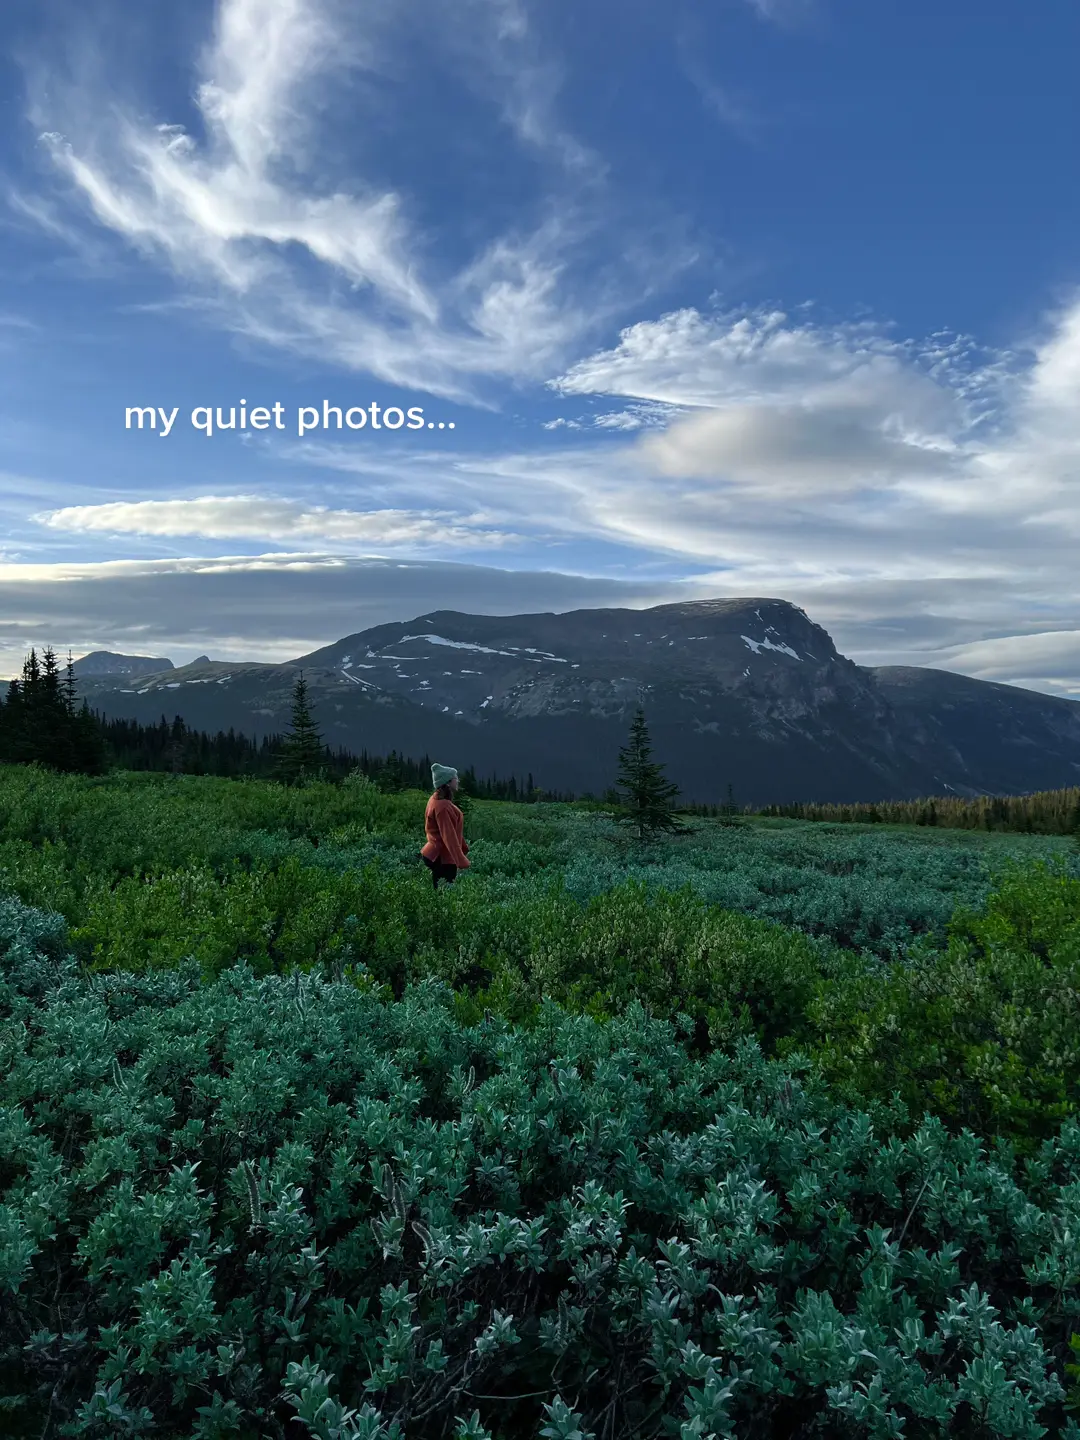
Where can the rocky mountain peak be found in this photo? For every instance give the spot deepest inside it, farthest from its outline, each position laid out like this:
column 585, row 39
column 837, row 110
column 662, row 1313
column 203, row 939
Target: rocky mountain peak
column 108, row 662
column 746, row 690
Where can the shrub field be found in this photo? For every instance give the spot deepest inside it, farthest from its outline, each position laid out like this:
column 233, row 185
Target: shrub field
column 765, row 1130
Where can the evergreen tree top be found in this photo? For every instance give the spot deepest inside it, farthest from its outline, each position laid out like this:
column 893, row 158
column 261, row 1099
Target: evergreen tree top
column 649, row 794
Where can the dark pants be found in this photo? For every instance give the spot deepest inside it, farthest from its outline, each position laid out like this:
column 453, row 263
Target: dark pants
column 439, row 871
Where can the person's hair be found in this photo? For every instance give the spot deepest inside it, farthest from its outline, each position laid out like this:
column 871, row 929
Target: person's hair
column 444, row 792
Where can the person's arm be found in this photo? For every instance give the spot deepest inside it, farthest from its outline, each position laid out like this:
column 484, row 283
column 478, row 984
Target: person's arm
column 450, row 834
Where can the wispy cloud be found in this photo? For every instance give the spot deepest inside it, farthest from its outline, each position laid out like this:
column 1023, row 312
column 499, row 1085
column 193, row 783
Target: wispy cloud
column 256, row 517
column 718, row 99
column 640, row 415
column 780, row 11
column 250, row 221
column 497, row 47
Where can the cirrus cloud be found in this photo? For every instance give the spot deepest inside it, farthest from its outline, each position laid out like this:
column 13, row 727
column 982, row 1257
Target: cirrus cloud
column 256, row 517
column 244, row 210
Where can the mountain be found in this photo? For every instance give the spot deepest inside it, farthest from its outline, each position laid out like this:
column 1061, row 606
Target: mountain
column 1019, row 740
column 106, row 662
column 748, row 692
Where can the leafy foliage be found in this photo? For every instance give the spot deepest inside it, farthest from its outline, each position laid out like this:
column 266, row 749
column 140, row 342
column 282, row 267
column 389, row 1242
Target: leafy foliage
column 233, row 1209
column 863, row 888
column 986, row 1031
column 767, row 1132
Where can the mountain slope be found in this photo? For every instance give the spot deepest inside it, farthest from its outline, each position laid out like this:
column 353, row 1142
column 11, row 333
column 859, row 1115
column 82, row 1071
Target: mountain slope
column 994, row 737
column 107, row 662
column 746, row 691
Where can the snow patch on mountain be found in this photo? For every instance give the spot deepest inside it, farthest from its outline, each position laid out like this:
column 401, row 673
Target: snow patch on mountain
column 484, row 649
column 454, row 644
column 758, row 645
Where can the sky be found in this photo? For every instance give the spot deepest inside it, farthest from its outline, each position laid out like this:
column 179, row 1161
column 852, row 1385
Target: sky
column 658, row 301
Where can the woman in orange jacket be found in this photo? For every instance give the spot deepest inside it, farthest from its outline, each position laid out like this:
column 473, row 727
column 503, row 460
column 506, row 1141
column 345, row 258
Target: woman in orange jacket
column 446, row 851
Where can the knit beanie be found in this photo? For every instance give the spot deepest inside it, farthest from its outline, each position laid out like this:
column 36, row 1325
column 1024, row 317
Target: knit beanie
column 442, row 775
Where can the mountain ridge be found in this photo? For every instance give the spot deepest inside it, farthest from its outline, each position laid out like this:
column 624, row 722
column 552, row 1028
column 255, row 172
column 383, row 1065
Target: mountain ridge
column 109, row 662
column 747, row 691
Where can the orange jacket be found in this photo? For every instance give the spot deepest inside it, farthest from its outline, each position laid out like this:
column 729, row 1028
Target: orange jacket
column 443, row 827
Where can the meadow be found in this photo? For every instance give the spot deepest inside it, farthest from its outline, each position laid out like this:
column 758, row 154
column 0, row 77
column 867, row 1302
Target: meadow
column 765, row 1130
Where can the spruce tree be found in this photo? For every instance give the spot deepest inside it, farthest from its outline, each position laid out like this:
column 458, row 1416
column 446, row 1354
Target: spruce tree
column 391, row 777
column 55, row 738
column 40, row 725
column 175, row 748
column 30, row 717
column 69, row 686
column 302, row 754
column 90, row 752
column 13, row 743
column 649, row 796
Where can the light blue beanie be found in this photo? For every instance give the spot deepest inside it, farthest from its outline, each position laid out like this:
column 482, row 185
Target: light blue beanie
column 442, row 775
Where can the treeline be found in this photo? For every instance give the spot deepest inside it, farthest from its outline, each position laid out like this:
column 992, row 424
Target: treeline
column 42, row 722
column 184, row 751
column 1044, row 812
column 727, row 810
column 174, row 747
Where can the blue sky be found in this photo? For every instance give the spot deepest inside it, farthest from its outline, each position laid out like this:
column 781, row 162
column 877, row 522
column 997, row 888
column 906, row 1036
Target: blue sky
column 769, row 297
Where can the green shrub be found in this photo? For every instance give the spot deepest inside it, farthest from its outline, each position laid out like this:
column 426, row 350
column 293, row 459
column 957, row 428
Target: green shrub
column 862, row 889
column 735, row 932
column 227, row 1208
column 985, row 1032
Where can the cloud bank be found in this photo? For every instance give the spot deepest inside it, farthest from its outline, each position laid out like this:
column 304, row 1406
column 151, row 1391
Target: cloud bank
column 269, row 607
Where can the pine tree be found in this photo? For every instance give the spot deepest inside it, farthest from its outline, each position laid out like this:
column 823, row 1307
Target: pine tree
column 40, row 725
column 69, row 686
column 54, row 739
column 13, row 742
column 649, row 795
column 391, row 776
column 30, row 709
column 175, row 748
column 91, row 756
column 303, row 752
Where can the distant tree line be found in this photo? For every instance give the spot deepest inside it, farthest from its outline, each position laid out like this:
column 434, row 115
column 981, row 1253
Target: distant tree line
column 42, row 722
column 1044, row 812
column 300, row 755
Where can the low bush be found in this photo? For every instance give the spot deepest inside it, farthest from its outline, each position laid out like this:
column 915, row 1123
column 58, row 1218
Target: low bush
column 261, row 1207
column 984, row 1032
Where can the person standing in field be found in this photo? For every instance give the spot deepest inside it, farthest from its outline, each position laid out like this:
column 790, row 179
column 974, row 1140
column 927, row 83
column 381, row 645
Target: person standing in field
column 446, row 851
